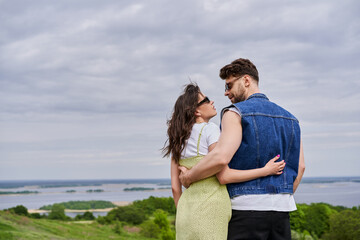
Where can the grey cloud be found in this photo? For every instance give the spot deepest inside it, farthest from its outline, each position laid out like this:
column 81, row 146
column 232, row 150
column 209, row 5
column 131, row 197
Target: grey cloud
column 107, row 74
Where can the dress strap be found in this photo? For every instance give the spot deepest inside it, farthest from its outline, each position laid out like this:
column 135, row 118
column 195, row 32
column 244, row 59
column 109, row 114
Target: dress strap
column 198, row 143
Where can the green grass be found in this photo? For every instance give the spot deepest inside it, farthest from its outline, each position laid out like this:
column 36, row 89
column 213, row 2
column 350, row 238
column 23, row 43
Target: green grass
column 19, row 227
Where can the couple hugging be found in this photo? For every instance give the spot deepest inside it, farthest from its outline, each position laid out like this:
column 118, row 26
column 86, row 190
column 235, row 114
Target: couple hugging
column 258, row 155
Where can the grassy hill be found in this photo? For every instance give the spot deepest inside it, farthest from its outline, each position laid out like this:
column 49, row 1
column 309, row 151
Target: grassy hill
column 13, row 226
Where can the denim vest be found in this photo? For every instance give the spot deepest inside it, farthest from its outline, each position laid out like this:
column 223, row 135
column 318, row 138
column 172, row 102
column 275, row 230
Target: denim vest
column 267, row 130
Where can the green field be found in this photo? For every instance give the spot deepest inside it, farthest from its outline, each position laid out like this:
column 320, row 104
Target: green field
column 152, row 218
column 13, row 226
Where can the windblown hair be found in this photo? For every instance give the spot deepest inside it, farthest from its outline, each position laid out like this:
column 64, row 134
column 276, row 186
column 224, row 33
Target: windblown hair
column 181, row 122
column 239, row 67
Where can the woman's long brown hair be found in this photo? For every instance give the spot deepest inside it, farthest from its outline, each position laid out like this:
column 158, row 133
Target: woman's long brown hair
column 181, row 122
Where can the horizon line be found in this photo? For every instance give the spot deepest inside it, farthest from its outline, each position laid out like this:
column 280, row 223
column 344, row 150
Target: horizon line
column 152, row 179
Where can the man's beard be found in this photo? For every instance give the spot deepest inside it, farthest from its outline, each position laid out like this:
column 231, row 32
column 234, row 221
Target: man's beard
column 240, row 98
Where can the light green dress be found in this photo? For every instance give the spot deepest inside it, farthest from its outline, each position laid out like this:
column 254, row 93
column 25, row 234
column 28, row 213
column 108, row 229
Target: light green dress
column 204, row 209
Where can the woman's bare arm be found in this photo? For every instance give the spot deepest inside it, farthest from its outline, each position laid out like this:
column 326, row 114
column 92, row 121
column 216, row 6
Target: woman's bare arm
column 175, row 182
column 228, row 175
column 301, row 168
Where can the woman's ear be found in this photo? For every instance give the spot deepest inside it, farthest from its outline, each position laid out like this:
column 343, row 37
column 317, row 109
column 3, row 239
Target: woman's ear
column 197, row 113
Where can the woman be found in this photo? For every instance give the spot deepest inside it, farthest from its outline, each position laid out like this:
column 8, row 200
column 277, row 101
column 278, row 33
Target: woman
column 204, row 209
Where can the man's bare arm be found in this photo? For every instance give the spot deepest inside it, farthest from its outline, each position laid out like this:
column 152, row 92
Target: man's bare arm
column 301, row 169
column 217, row 159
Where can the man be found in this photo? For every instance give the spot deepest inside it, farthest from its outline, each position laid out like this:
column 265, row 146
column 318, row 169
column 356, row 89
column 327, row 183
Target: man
column 254, row 130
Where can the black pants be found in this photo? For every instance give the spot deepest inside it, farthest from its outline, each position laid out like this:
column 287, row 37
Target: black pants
column 259, row 225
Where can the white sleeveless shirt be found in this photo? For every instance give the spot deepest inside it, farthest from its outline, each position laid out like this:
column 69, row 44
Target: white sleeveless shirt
column 210, row 134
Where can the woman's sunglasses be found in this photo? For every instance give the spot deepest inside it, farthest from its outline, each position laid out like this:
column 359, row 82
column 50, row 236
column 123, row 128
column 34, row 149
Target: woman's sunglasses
column 205, row 100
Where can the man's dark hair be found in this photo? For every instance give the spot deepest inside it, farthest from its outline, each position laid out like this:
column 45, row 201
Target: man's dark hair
column 239, row 67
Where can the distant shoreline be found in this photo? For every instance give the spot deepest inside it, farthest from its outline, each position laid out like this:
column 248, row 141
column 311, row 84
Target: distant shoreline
column 4, row 184
column 119, row 204
column 38, row 185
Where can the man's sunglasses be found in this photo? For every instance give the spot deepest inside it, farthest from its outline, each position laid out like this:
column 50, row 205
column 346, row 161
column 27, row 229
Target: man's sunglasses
column 205, row 100
column 228, row 86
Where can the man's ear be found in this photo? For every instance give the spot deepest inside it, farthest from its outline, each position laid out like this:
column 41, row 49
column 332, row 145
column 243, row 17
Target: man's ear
column 247, row 81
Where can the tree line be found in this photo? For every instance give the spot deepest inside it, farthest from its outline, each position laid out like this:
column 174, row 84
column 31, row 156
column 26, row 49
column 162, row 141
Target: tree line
column 324, row 221
column 18, row 192
column 83, row 205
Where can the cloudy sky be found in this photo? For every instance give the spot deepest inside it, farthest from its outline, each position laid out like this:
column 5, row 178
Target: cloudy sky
column 86, row 86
